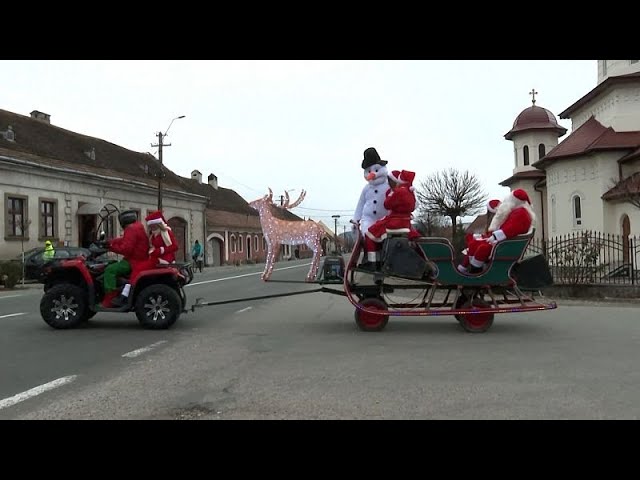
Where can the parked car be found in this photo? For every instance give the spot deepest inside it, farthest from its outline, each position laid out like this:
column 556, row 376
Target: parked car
column 34, row 259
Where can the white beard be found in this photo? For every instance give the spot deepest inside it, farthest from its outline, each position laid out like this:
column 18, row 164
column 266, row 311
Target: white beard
column 506, row 207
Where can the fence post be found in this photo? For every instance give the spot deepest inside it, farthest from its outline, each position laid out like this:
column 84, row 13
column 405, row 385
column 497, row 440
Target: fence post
column 632, row 255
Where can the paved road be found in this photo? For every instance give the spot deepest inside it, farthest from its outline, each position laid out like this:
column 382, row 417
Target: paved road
column 302, row 357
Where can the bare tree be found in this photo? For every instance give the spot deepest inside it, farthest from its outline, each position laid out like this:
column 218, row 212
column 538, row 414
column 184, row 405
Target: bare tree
column 451, row 194
column 428, row 223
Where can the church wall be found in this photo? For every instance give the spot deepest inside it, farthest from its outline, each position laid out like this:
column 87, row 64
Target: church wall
column 617, row 108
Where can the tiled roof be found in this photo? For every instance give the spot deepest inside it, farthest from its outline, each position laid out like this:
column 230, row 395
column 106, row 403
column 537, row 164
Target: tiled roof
column 591, row 136
column 529, row 174
column 630, row 185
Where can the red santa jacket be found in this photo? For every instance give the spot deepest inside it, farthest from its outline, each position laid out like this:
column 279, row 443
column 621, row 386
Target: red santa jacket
column 400, row 202
column 133, row 244
column 517, row 223
column 163, row 252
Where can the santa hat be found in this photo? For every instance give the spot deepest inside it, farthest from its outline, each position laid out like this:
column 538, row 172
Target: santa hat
column 521, row 195
column 155, row 218
column 493, row 205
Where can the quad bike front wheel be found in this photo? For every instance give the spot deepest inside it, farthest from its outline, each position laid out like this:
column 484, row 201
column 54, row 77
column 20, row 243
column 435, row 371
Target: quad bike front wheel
column 158, row 306
column 64, row 306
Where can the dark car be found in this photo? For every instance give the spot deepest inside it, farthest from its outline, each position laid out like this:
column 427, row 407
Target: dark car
column 34, row 259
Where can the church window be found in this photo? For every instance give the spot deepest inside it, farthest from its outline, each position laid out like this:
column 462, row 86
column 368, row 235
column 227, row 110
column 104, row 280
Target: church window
column 541, row 151
column 577, row 211
column 553, row 213
column 525, row 152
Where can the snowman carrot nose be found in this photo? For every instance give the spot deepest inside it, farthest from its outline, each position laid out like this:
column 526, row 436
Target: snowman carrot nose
column 371, row 176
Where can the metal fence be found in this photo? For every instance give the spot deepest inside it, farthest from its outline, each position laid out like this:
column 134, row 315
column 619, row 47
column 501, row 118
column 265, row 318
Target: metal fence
column 590, row 257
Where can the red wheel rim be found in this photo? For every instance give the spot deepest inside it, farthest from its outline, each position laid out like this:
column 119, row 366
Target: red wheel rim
column 372, row 320
column 478, row 320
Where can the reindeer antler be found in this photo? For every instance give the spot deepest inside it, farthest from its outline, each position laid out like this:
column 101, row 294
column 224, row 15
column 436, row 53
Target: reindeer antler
column 296, row 203
column 270, row 196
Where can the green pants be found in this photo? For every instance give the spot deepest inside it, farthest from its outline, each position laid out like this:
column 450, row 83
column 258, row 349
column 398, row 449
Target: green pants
column 118, row 269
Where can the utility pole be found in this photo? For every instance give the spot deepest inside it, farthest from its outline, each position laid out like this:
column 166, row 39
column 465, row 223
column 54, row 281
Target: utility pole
column 161, row 172
column 335, row 230
column 160, row 145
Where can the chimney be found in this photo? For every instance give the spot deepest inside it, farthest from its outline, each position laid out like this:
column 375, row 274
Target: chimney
column 43, row 117
column 213, row 180
column 196, row 175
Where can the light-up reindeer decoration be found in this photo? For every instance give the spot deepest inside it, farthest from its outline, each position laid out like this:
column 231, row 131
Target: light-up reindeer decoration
column 277, row 232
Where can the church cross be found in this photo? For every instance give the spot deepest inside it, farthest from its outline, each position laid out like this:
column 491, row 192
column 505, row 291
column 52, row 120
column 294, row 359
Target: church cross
column 533, row 94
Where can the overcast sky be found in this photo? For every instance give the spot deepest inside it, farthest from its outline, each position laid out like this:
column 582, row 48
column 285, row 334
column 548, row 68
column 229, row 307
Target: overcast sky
column 302, row 124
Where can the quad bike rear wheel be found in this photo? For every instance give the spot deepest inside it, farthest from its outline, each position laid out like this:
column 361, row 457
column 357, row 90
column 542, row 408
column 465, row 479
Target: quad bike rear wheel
column 64, row 306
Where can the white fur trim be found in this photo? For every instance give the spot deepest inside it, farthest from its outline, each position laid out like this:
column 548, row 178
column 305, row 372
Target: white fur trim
column 395, row 179
column 465, row 251
column 375, row 239
column 477, row 236
column 371, row 256
column 462, row 269
column 412, row 188
column 155, row 221
column 161, row 250
column 475, row 263
column 499, row 234
column 165, row 238
column 126, row 290
column 163, row 261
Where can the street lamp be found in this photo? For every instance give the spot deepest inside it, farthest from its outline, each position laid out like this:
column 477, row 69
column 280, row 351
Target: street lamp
column 335, row 231
column 160, row 145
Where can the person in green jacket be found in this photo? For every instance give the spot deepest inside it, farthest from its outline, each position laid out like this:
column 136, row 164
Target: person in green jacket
column 49, row 252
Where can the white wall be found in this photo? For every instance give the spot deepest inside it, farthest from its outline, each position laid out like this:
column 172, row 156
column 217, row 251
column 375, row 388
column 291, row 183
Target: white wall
column 617, row 67
column 618, row 107
column 70, row 190
column 532, row 139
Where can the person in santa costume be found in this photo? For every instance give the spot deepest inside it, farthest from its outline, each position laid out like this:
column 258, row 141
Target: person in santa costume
column 401, row 202
column 133, row 245
column 470, row 238
column 514, row 216
column 162, row 242
column 161, row 248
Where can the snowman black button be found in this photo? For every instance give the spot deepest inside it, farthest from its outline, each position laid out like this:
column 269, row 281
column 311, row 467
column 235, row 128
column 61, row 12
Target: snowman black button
column 374, row 212
column 375, row 201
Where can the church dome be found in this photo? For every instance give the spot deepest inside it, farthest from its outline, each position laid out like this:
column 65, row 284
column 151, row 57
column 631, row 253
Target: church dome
column 535, row 118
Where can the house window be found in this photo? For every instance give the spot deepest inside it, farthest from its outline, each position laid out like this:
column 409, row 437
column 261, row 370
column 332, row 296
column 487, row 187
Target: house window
column 264, row 244
column 553, row 213
column 233, row 244
column 17, row 222
column 48, row 218
column 255, row 243
column 240, row 244
column 525, row 153
column 577, row 211
column 541, row 151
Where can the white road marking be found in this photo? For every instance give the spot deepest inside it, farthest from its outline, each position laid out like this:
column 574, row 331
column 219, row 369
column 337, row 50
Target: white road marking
column 12, row 315
column 245, row 275
column 8, row 402
column 10, row 296
column 244, row 309
column 140, row 351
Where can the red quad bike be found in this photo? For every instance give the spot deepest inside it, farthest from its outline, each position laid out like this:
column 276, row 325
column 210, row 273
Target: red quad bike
column 74, row 288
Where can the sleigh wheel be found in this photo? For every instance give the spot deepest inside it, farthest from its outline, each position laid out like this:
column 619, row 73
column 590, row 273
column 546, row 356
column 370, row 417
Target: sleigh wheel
column 372, row 322
column 476, row 322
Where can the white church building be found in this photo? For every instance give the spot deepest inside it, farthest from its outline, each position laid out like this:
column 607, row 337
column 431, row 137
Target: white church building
column 585, row 181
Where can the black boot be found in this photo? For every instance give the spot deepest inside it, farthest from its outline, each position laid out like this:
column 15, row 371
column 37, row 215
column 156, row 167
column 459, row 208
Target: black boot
column 120, row 301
